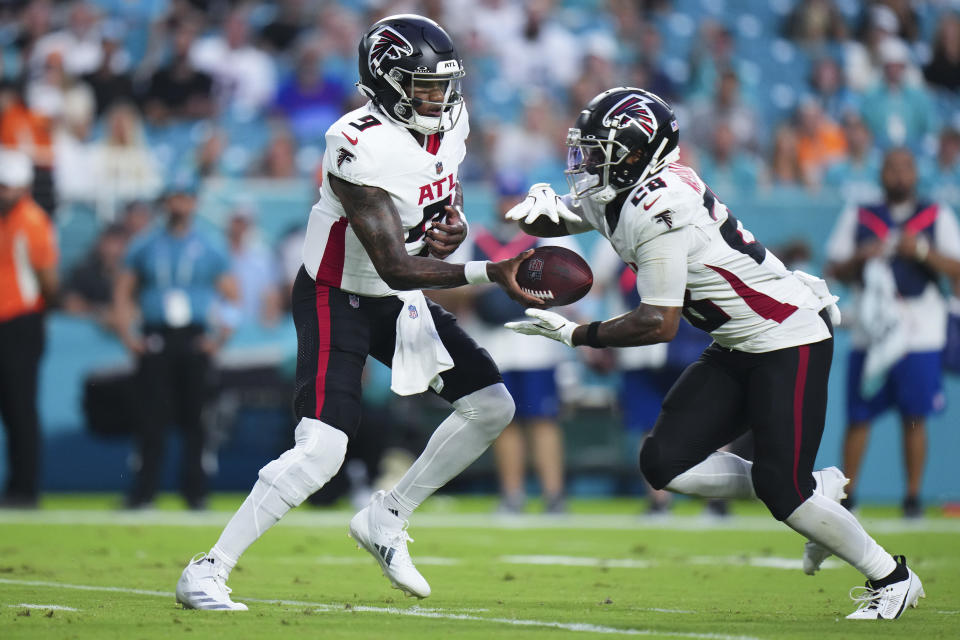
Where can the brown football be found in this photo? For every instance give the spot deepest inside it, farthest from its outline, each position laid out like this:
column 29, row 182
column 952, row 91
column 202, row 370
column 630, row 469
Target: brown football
column 556, row 275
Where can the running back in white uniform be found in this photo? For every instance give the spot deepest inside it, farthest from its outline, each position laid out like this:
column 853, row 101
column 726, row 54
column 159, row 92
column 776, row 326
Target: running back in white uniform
column 366, row 148
column 690, row 252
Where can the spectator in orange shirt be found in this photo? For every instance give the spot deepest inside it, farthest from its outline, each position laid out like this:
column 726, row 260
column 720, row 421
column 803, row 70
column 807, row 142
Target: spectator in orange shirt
column 820, row 141
column 26, row 130
column 28, row 280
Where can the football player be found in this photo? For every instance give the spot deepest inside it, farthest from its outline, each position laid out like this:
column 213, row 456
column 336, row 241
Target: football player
column 772, row 329
column 389, row 211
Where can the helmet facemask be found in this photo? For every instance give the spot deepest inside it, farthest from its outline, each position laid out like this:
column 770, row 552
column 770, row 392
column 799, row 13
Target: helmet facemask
column 600, row 169
column 407, row 84
column 590, row 162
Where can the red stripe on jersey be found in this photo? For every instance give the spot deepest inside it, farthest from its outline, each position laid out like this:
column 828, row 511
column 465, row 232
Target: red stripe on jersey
column 330, row 271
column 323, row 345
column 433, row 143
column 762, row 304
column 799, row 386
column 922, row 220
column 873, row 222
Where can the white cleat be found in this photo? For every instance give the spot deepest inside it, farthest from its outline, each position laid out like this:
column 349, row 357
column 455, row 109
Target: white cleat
column 203, row 586
column 384, row 536
column 831, row 483
column 889, row 602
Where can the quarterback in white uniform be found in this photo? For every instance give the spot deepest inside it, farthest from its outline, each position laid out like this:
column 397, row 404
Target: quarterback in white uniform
column 389, row 208
column 769, row 363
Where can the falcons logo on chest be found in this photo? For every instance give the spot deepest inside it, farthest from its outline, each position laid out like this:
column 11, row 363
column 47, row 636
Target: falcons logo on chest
column 388, row 44
column 344, row 156
column 666, row 217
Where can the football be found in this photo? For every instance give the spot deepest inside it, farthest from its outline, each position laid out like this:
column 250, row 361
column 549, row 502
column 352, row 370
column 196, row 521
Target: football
column 556, row 275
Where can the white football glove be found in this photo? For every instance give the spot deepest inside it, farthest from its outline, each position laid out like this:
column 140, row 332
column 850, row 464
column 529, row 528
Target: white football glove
column 542, row 200
column 545, row 323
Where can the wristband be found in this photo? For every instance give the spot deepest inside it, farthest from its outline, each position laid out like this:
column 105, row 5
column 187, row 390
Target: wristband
column 922, row 250
column 592, row 340
column 476, row 272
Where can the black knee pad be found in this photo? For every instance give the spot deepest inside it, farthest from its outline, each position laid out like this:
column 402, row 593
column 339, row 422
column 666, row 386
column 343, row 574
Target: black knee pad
column 652, row 466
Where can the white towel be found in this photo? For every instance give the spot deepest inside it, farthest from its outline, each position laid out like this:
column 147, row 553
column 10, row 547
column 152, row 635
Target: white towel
column 819, row 288
column 882, row 320
column 419, row 355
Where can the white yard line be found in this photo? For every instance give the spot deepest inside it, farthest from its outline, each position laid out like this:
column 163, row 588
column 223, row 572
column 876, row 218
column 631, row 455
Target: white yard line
column 340, row 519
column 567, row 626
column 581, row 627
column 46, row 607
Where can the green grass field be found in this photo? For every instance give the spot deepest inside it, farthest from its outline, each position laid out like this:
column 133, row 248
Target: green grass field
column 79, row 569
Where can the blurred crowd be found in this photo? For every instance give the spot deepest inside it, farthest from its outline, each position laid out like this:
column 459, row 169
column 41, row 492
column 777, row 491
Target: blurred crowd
column 116, row 101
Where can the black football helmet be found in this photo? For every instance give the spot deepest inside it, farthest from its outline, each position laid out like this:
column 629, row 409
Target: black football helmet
column 622, row 136
column 402, row 52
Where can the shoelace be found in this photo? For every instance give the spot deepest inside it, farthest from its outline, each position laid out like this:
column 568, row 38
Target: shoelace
column 399, row 541
column 217, row 578
column 866, row 597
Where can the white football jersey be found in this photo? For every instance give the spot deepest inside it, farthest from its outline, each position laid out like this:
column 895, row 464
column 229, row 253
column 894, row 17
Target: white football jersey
column 365, row 147
column 732, row 287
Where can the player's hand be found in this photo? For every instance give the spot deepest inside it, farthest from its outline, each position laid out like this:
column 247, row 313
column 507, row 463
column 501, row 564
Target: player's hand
column 443, row 238
column 548, row 324
column 541, row 200
column 504, row 273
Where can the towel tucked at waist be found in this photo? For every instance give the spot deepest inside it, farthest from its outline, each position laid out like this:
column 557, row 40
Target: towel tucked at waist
column 819, row 288
column 419, row 355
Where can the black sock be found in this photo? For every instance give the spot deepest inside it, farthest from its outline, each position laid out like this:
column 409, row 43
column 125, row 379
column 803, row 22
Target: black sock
column 897, row 575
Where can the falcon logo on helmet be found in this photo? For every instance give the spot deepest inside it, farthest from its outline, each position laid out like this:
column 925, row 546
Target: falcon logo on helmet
column 633, row 109
column 388, row 45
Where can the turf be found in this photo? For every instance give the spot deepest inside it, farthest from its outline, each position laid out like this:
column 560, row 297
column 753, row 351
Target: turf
column 604, row 569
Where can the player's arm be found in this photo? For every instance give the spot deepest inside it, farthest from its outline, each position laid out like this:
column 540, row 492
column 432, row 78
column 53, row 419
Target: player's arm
column 661, row 280
column 374, row 218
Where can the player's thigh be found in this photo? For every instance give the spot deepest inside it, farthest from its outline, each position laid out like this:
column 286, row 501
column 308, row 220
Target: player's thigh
column 333, row 339
column 702, row 412
column 787, row 405
column 918, row 383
